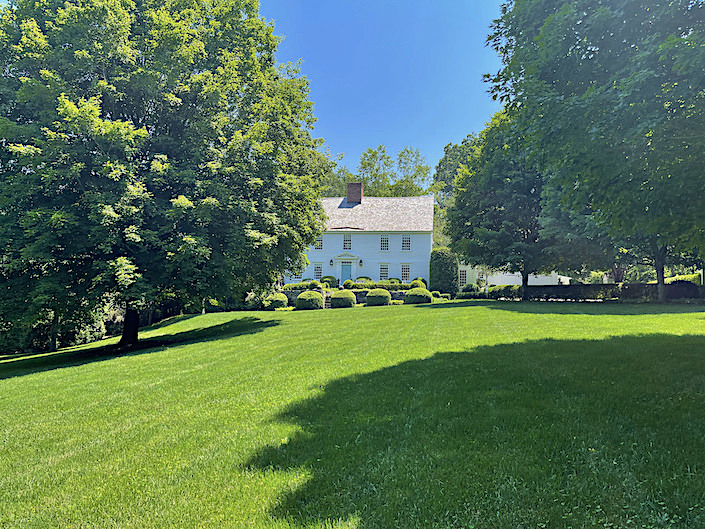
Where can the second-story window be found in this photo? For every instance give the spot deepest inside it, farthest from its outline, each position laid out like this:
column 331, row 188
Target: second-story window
column 405, row 243
column 347, row 243
column 319, row 243
column 384, row 243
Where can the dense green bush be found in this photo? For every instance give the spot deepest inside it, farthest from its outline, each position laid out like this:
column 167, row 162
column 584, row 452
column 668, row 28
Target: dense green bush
column 445, row 296
column 504, row 291
column 422, row 280
column 387, row 285
column 575, row 292
column 682, row 289
column 416, row 283
column 309, row 300
column 304, row 285
column 275, row 301
column 396, row 302
column 417, row 295
column 378, row 296
column 341, row 299
column 394, row 280
column 332, row 281
column 436, row 294
column 444, row 270
column 363, row 279
column 471, row 287
column 693, row 278
column 348, row 283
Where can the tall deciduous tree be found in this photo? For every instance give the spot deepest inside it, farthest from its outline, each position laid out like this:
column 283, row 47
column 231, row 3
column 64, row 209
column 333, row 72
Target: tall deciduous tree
column 149, row 149
column 614, row 98
column 494, row 219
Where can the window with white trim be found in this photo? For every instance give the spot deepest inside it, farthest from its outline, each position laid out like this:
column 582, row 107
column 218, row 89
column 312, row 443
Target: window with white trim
column 319, row 243
column 405, row 273
column 317, row 271
column 405, row 243
column 383, row 272
column 463, row 278
column 347, row 242
column 384, row 243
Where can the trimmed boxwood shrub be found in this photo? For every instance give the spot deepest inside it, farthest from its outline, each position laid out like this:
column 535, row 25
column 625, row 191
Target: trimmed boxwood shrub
column 378, row 296
column 348, row 283
column 277, row 300
column 304, row 285
column 362, row 279
column 341, row 299
column 416, row 283
column 332, row 281
column 417, row 295
column 422, row 280
column 309, row 300
column 471, row 287
column 436, row 294
column 445, row 296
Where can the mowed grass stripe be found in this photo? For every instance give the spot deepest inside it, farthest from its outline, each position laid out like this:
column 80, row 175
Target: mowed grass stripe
column 457, row 415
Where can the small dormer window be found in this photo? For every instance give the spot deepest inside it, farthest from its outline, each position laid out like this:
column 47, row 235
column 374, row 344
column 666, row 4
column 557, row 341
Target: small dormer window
column 319, row 243
column 406, row 243
column 347, row 243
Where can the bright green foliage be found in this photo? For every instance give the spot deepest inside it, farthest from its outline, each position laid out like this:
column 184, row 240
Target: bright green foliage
column 417, row 283
column 494, row 219
column 378, row 296
column 417, row 295
column 342, row 299
column 504, row 291
column 612, row 94
column 449, row 164
column 444, row 270
column 152, row 150
column 275, row 301
column 308, row 300
column 572, row 413
column 382, row 176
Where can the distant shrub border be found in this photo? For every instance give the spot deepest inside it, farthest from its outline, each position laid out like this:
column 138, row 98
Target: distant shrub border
column 417, row 295
column 342, row 299
column 309, row 300
column 387, row 285
column 378, row 297
column 305, row 285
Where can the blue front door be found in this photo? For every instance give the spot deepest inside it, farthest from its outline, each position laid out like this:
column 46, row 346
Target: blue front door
column 345, row 272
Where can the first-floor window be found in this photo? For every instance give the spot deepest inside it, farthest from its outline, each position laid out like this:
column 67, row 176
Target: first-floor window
column 317, row 271
column 383, row 272
column 405, row 272
column 463, row 278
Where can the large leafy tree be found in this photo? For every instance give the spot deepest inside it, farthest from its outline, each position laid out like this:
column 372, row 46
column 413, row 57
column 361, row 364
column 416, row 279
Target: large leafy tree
column 494, row 218
column 149, row 150
column 613, row 96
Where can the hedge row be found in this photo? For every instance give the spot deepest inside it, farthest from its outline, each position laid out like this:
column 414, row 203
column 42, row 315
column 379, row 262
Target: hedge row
column 369, row 285
column 623, row 291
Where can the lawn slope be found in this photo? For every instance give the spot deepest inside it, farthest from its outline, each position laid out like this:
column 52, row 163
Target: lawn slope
column 486, row 415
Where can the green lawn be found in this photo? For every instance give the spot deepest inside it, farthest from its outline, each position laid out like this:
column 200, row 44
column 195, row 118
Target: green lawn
column 484, row 415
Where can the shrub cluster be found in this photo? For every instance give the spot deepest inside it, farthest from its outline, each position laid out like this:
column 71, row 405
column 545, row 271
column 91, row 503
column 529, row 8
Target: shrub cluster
column 309, row 300
column 693, row 278
column 304, row 285
column 504, row 291
column 275, row 301
column 444, row 270
column 378, row 296
column 471, row 287
column 387, row 285
column 330, row 280
column 342, row 299
column 417, row 295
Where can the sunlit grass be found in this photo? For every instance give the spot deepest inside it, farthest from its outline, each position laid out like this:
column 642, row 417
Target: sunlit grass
column 459, row 415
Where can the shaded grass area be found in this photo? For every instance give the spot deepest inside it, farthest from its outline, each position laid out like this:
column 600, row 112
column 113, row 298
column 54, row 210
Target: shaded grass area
column 466, row 415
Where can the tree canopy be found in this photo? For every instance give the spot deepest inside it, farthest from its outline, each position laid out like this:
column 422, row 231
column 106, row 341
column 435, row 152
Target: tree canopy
column 150, row 150
column 612, row 96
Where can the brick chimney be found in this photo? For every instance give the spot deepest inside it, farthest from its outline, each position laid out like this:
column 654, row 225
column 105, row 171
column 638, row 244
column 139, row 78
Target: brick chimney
column 355, row 192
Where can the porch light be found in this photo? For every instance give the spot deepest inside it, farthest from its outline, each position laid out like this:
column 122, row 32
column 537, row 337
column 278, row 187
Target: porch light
column 331, row 262
column 360, row 262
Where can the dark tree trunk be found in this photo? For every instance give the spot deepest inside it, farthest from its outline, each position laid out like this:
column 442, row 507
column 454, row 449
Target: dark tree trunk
column 524, row 284
column 130, row 328
column 659, row 264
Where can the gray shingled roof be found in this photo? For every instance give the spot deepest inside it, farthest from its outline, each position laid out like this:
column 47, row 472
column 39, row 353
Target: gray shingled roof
column 380, row 214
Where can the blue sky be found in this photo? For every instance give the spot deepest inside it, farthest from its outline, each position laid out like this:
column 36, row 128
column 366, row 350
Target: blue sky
column 389, row 71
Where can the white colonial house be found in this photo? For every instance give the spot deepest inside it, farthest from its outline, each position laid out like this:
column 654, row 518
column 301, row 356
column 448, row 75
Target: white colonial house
column 473, row 274
column 375, row 237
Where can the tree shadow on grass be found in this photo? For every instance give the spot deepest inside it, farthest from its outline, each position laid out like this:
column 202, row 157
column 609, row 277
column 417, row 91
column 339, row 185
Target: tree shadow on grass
column 574, row 307
column 549, row 433
column 44, row 362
